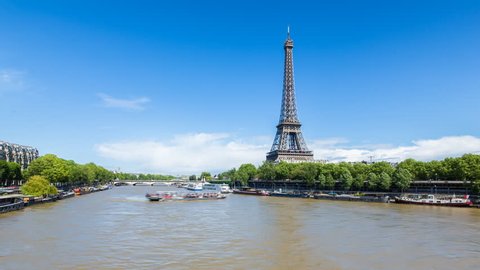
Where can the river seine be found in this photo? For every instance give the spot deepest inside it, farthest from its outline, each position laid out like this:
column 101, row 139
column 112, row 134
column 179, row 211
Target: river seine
column 120, row 229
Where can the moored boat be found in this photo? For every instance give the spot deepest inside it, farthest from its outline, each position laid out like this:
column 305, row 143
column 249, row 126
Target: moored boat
column 430, row 199
column 382, row 198
column 66, row 194
column 294, row 194
column 11, row 202
column 251, row 191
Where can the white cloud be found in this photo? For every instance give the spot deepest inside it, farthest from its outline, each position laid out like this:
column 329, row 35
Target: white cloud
column 11, row 80
column 129, row 104
column 420, row 149
column 216, row 152
column 188, row 153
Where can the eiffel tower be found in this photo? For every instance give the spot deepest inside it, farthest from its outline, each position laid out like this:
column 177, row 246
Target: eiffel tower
column 288, row 144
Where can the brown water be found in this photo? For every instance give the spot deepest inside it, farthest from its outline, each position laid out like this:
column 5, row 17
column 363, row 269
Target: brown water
column 119, row 229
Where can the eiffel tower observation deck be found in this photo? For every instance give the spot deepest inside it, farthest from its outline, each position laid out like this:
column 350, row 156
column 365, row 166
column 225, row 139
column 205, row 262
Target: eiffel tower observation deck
column 289, row 144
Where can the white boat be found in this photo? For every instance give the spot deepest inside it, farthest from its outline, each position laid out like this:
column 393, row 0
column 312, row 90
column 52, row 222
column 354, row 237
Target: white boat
column 222, row 188
column 430, row 199
column 195, row 186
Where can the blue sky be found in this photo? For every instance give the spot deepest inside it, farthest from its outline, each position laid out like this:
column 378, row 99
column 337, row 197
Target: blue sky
column 186, row 86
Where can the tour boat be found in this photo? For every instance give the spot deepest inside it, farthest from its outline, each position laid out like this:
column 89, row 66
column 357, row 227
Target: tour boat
column 251, row 191
column 222, row 188
column 195, row 186
column 429, row 199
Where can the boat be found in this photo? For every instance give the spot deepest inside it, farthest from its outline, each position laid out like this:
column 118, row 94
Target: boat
column 294, row 194
column 11, row 202
column 382, row 198
column 194, row 196
column 195, row 186
column 65, row 194
column 430, row 199
column 222, row 188
column 204, row 196
column 251, row 191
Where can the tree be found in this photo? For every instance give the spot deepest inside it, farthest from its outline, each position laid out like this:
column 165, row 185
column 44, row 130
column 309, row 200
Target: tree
column 9, row 173
column 383, row 166
column 192, row 177
column 205, row 176
column 242, row 176
column 4, row 171
column 266, row 171
column 14, row 171
column 38, row 186
column 358, row 182
column 249, row 170
column 345, row 178
column 322, row 180
column 476, row 186
column 329, row 181
column 371, row 180
column 384, row 181
column 282, row 171
column 402, row 179
column 54, row 169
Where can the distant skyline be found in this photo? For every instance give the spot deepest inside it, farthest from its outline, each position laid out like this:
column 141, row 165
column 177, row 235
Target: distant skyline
column 188, row 86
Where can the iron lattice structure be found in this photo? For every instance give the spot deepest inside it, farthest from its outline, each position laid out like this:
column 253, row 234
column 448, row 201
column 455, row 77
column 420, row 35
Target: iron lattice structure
column 289, row 144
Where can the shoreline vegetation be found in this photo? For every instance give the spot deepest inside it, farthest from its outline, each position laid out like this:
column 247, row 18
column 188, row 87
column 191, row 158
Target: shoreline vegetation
column 49, row 174
column 378, row 176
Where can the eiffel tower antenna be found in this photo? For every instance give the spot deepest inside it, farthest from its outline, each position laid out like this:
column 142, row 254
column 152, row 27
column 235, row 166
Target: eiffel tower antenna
column 289, row 144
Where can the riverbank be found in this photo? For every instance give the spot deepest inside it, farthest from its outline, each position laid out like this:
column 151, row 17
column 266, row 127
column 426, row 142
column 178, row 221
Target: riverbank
column 14, row 201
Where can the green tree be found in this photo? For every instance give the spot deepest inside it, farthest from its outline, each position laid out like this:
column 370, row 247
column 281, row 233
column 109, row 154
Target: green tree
column 476, row 186
column 54, row 169
column 249, row 169
column 358, row 182
column 266, row 171
column 384, row 181
column 14, row 171
column 205, row 176
column 372, row 181
column 380, row 167
column 282, row 171
column 38, row 186
column 329, row 181
column 345, row 178
column 402, row 179
column 4, row 171
column 192, row 177
column 242, row 176
column 322, row 181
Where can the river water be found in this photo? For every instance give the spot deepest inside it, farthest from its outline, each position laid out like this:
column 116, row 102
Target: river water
column 120, row 229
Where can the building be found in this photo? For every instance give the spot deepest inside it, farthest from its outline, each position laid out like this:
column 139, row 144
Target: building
column 289, row 144
column 20, row 154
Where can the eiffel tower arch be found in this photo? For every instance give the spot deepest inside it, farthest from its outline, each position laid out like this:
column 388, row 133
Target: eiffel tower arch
column 289, row 144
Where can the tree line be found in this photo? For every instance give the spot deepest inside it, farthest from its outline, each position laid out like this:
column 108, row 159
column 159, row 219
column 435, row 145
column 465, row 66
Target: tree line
column 378, row 176
column 10, row 173
column 61, row 172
